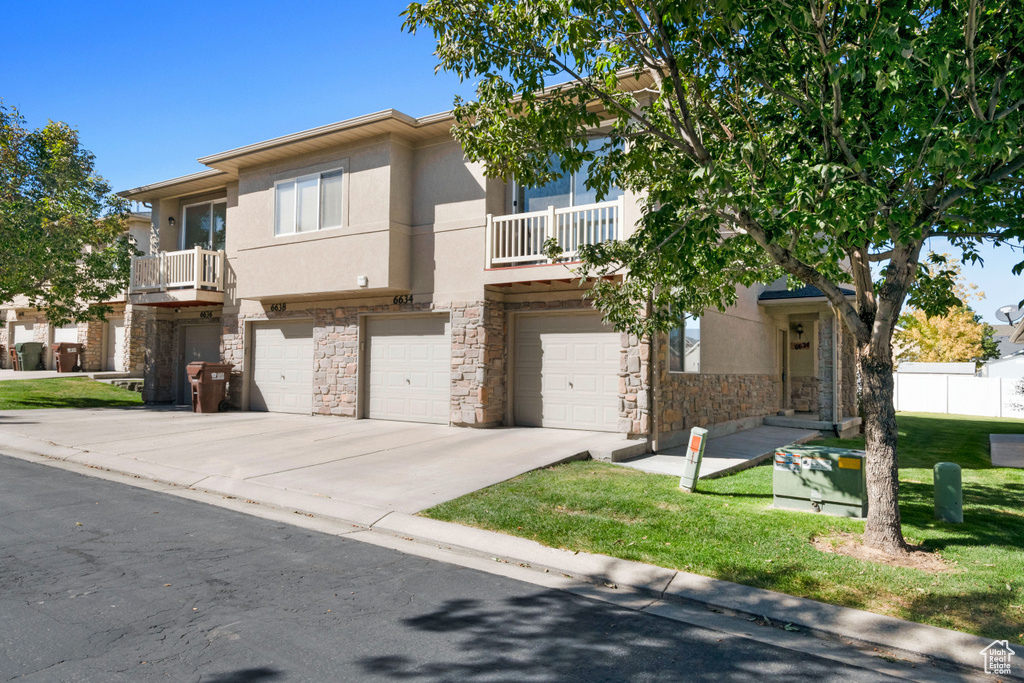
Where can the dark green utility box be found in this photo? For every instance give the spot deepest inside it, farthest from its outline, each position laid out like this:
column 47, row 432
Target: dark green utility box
column 817, row 479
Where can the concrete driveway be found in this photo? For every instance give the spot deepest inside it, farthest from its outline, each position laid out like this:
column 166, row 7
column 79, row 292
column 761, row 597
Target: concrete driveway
column 352, row 469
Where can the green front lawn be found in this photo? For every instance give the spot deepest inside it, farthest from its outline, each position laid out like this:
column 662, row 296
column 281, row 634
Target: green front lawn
column 64, row 392
column 729, row 530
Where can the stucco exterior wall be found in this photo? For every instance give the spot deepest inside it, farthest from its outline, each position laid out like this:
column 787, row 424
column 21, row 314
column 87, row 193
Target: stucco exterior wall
column 741, row 340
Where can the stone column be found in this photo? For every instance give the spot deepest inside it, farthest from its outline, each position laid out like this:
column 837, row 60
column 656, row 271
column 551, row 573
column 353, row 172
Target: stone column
column 160, row 363
column 826, row 325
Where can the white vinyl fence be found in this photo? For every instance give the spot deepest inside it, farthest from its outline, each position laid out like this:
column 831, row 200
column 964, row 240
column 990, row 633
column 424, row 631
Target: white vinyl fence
column 957, row 395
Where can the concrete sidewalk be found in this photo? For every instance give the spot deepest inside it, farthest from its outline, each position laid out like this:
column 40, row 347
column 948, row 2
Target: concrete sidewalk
column 1006, row 450
column 725, row 454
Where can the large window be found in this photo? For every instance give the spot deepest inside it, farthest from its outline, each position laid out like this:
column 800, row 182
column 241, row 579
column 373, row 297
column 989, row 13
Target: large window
column 309, row 203
column 684, row 346
column 569, row 190
column 205, row 225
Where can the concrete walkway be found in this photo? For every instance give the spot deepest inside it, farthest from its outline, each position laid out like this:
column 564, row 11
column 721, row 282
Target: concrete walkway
column 725, row 454
column 1007, row 450
column 349, row 469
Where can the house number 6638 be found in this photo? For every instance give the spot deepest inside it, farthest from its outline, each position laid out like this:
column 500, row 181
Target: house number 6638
column 277, row 308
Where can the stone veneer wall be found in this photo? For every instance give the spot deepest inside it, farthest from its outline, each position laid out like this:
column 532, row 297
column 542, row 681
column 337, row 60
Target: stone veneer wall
column 686, row 400
column 91, row 335
column 4, row 362
column 803, row 394
column 825, row 385
column 848, row 374
column 135, row 344
column 847, row 370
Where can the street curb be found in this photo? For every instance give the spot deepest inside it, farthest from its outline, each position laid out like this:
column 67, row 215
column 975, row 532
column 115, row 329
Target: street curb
column 852, row 625
column 855, row 626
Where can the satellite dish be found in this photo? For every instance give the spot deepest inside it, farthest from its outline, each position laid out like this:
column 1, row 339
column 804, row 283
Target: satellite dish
column 1010, row 314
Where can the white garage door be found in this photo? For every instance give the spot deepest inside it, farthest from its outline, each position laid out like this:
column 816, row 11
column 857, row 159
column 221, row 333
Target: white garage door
column 23, row 333
column 198, row 342
column 66, row 334
column 409, row 368
column 115, row 345
column 566, row 372
column 282, row 368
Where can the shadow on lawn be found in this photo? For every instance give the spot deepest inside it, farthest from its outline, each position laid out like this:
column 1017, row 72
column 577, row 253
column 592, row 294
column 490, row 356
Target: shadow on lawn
column 985, row 525
column 30, row 403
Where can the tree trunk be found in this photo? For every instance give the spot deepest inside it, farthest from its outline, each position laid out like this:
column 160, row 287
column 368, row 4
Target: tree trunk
column 883, row 530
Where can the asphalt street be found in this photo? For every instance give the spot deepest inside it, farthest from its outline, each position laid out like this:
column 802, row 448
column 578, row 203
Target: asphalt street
column 100, row 581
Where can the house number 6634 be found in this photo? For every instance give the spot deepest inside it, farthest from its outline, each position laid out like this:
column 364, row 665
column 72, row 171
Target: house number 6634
column 403, row 299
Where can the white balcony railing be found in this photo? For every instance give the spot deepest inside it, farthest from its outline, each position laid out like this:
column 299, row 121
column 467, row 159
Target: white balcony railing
column 192, row 269
column 518, row 239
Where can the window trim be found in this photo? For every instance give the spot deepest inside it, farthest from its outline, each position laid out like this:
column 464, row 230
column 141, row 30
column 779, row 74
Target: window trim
column 319, row 175
column 682, row 325
column 184, row 210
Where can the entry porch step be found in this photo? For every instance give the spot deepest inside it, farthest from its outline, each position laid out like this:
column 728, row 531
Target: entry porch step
column 847, row 427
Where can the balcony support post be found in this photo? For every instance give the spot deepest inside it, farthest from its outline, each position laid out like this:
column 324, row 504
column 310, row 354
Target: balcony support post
column 489, row 241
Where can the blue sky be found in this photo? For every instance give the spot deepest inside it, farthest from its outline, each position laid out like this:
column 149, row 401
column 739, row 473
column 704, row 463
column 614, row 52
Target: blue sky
column 153, row 86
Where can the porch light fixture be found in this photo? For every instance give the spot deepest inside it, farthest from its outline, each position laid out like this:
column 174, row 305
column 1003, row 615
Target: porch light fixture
column 170, row 221
column 799, row 330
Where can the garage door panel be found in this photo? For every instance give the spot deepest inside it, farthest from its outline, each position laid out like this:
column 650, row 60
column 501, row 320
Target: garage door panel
column 283, row 368
column 566, row 372
column 409, row 368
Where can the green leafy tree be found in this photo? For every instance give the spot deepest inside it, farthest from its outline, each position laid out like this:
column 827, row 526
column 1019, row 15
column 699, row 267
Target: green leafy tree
column 62, row 232
column 767, row 138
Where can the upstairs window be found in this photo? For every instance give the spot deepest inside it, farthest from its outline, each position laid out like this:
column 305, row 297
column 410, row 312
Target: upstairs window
column 309, row 203
column 569, row 190
column 684, row 346
column 205, row 225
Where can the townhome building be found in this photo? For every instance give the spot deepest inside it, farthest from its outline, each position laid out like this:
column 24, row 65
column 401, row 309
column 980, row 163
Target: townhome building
column 114, row 344
column 366, row 270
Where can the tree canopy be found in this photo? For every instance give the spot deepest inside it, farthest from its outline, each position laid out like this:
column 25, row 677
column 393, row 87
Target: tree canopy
column 813, row 140
column 956, row 336
column 62, row 233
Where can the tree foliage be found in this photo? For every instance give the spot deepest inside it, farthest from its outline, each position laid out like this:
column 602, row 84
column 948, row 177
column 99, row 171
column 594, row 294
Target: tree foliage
column 957, row 335
column 766, row 138
column 62, row 232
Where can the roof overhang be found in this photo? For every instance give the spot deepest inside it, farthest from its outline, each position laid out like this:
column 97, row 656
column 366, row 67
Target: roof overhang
column 204, row 181
column 331, row 135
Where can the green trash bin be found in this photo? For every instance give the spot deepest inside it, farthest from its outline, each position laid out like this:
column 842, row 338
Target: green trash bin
column 30, row 356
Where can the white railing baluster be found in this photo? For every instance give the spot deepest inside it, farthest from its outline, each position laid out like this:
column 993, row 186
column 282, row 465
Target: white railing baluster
column 196, row 268
column 518, row 239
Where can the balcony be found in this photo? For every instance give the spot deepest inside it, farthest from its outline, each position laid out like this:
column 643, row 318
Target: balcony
column 194, row 277
column 518, row 239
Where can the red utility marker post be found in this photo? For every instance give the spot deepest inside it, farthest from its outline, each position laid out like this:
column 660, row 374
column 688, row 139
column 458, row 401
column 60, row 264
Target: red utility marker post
column 694, row 454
